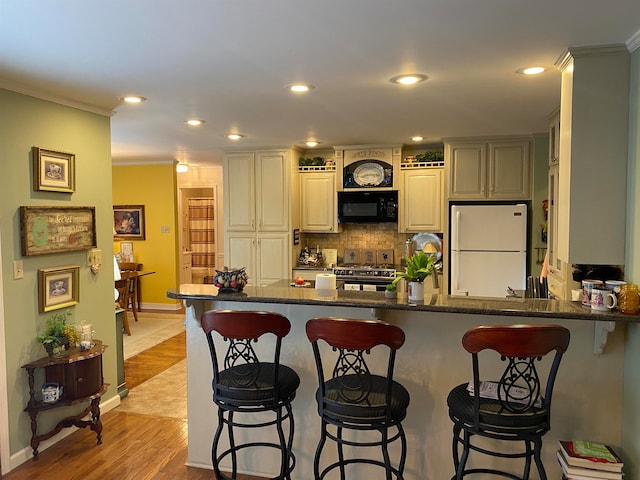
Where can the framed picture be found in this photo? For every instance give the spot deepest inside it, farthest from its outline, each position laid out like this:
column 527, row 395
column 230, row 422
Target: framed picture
column 128, row 222
column 53, row 171
column 57, row 229
column 58, row 287
column 126, row 251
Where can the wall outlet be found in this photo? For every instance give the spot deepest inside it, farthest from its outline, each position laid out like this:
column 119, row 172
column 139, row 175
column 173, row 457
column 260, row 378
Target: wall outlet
column 18, row 269
column 165, row 229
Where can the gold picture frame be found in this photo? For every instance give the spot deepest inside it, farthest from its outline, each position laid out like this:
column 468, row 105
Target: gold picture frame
column 53, row 171
column 58, row 287
column 128, row 222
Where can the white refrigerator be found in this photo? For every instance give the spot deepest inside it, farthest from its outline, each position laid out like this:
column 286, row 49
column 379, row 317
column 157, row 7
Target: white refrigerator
column 488, row 249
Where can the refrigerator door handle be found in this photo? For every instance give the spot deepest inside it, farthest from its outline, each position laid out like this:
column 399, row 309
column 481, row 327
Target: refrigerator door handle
column 457, row 236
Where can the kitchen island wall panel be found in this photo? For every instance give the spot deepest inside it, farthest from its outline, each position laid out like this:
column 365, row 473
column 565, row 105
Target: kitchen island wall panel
column 587, row 400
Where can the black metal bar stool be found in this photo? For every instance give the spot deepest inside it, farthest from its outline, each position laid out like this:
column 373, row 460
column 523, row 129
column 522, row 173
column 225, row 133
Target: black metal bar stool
column 513, row 408
column 243, row 383
column 352, row 396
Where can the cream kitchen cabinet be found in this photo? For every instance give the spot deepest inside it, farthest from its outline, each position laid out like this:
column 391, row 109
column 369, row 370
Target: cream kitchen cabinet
column 266, row 256
column 594, row 124
column 489, row 169
column 261, row 208
column 318, row 202
column 421, row 200
column 257, row 191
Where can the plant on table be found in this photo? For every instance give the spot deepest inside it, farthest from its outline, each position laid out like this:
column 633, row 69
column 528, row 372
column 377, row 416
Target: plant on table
column 58, row 335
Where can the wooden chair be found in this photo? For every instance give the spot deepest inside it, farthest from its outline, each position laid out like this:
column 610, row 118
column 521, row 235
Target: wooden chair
column 129, row 273
column 356, row 396
column 521, row 409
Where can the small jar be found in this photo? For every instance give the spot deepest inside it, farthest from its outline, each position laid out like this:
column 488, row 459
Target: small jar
column 629, row 299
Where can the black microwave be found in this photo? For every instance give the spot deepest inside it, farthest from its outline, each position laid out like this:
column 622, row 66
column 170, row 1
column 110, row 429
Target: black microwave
column 368, row 207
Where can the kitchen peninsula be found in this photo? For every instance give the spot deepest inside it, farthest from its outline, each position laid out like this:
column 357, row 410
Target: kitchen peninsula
column 587, row 399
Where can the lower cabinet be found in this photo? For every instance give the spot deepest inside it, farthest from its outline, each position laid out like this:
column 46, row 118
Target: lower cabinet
column 420, row 199
column 266, row 256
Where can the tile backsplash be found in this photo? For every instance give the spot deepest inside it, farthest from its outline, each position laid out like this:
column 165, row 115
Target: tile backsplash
column 364, row 236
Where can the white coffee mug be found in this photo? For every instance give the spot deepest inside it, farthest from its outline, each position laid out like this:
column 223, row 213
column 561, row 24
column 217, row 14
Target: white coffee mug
column 587, row 286
column 602, row 299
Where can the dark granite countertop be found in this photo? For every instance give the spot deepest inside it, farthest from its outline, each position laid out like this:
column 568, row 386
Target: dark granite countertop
column 517, row 307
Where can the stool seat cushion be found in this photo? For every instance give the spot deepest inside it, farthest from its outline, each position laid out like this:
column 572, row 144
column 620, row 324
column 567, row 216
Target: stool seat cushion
column 363, row 406
column 493, row 416
column 252, row 384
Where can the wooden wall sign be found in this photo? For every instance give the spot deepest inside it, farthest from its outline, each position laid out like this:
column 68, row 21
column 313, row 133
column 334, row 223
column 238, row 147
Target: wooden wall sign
column 57, row 229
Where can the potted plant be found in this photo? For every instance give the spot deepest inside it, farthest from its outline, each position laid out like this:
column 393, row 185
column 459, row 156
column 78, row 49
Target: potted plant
column 419, row 266
column 58, row 335
column 391, row 290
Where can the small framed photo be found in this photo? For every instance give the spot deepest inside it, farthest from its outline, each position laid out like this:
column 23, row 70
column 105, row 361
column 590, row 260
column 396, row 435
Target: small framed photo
column 58, row 287
column 53, row 171
column 128, row 222
column 126, row 251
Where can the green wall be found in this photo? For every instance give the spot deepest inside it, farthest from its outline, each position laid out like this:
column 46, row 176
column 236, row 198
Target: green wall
column 153, row 186
column 25, row 122
column 631, row 395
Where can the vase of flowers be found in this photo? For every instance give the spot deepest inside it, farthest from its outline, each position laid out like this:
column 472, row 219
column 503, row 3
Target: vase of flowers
column 419, row 267
column 58, row 335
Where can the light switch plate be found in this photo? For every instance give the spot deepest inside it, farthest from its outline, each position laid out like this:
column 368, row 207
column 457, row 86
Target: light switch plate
column 18, row 269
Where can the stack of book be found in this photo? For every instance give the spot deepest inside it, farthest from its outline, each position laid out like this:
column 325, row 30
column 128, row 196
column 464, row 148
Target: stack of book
column 582, row 460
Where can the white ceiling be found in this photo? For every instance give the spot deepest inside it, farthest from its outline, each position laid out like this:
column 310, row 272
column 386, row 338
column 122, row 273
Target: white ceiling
column 227, row 61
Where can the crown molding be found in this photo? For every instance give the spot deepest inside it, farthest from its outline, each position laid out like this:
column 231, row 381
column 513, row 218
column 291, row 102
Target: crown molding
column 49, row 97
column 634, row 42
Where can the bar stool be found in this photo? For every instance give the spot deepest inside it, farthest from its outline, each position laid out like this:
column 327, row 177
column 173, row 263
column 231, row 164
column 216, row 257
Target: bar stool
column 245, row 384
column 352, row 396
column 519, row 410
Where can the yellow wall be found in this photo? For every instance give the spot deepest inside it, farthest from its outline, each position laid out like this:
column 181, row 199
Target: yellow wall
column 153, row 186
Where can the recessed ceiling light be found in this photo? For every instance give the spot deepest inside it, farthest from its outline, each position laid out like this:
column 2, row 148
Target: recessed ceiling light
column 194, row 122
column 133, row 99
column 417, row 138
column 408, row 79
column 311, row 143
column 299, row 87
column 182, row 167
column 234, row 136
column 531, row 70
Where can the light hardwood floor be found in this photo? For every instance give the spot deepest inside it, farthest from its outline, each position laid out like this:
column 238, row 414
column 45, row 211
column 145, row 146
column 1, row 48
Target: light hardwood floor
column 134, row 446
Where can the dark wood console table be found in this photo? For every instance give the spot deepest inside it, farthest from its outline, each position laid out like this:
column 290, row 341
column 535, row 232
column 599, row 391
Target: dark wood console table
column 80, row 375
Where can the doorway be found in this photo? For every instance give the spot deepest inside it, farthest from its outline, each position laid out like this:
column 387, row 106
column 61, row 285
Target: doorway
column 198, row 237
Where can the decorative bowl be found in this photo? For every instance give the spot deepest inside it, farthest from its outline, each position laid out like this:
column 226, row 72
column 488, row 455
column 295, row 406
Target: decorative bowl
column 230, row 280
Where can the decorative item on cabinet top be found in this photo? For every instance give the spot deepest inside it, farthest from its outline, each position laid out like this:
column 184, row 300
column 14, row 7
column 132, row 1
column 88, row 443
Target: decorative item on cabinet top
column 423, row 160
column 317, row 164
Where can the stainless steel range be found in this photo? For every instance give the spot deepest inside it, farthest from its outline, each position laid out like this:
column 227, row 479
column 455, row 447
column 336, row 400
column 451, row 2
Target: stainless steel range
column 364, row 277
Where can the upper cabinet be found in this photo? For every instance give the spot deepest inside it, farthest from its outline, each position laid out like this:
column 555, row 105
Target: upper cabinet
column 257, row 189
column 554, row 137
column 489, row 169
column 318, row 201
column 421, row 199
column 594, row 126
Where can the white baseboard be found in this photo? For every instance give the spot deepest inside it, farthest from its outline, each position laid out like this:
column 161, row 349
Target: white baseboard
column 26, row 454
column 168, row 307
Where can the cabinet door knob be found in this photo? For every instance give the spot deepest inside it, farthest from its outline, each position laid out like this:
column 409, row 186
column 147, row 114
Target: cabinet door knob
column 80, row 379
